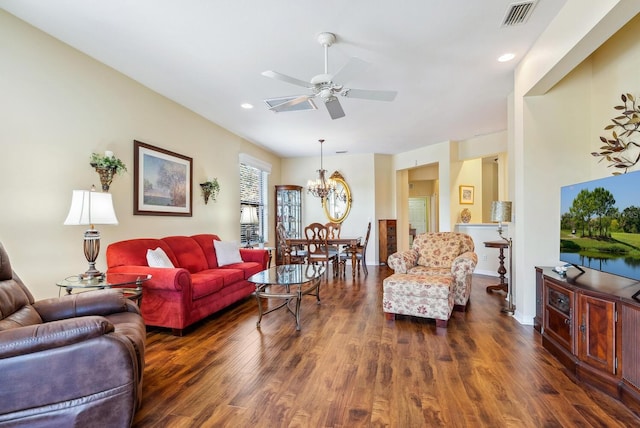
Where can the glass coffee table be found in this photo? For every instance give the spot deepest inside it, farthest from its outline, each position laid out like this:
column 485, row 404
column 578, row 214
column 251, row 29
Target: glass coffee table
column 130, row 284
column 289, row 283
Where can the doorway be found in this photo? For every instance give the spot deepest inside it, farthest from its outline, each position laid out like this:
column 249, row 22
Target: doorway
column 418, row 217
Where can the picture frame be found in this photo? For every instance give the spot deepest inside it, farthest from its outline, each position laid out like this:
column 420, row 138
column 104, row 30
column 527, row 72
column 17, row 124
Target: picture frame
column 466, row 194
column 162, row 181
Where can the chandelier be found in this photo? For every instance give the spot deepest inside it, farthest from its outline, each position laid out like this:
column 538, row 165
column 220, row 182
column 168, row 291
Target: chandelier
column 321, row 187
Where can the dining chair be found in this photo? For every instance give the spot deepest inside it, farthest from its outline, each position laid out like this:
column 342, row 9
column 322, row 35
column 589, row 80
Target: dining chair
column 361, row 254
column 333, row 231
column 317, row 249
column 297, row 255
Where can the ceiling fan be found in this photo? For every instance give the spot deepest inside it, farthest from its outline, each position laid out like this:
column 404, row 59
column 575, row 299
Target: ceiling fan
column 325, row 86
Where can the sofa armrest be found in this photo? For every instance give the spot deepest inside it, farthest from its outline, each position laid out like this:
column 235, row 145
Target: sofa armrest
column 55, row 334
column 464, row 264
column 165, row 279
column 255, row 255
column 402, row 261
column 95, row 302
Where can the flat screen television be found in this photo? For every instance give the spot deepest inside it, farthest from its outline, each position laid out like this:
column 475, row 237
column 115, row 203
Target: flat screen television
column 600, row 224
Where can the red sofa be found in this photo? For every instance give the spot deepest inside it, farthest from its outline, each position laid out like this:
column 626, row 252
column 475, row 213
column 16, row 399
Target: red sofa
column 196, row 288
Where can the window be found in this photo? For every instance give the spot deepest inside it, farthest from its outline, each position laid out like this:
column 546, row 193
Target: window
column 254, row 175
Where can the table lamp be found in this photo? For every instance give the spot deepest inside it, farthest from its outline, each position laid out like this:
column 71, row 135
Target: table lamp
column 249, row 217
column 501, row 212
column 89, row 207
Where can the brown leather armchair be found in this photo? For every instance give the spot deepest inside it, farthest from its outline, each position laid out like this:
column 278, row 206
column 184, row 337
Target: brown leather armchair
column 76, row 360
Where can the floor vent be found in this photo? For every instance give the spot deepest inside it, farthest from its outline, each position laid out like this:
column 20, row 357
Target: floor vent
column 518, row 13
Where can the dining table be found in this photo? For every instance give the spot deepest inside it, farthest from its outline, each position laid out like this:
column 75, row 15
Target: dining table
column 351, row 244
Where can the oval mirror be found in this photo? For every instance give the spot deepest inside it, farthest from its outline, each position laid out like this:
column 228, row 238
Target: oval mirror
column 338, row 204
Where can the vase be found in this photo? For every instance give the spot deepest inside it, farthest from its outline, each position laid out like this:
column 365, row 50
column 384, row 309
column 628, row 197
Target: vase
column 465, row 215
column 106, row 176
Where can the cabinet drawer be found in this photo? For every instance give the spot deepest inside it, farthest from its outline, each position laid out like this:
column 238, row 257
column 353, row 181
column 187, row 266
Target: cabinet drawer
column 559, row 300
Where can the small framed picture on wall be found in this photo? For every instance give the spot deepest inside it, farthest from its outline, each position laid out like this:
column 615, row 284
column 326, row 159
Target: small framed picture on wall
column 466, row 194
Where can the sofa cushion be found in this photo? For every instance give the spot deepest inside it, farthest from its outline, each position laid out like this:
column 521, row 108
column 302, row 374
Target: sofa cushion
column 158, row 258
column 424, row 270
column 213, row 280
column 15, row 305
column 437, row 249
column 133, row 252
column 188, row 253
column 205, row 240
column 227, row 252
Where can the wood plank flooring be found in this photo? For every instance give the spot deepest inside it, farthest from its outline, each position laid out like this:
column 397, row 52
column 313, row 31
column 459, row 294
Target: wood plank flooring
column 350, row 367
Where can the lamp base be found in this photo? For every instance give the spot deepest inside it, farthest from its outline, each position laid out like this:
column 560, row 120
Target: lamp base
column 91, row 249
column 92, row 274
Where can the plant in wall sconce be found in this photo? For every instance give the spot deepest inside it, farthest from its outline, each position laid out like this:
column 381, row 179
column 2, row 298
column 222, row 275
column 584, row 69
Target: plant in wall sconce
column 210, row 189
column 624, row 126
column 107, row 166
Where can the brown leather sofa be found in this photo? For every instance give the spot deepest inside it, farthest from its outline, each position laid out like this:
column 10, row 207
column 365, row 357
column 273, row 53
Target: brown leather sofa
column 71, row 361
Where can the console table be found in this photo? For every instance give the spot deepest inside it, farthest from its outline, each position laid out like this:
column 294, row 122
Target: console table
column 590, row 322
column 501, row 245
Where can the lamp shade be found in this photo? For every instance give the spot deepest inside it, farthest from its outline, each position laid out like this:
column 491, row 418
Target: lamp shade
column 249, row 215
column 501, row 211
column 90, row 207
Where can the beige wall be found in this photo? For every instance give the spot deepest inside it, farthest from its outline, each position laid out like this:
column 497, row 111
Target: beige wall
column 470, row 174
column 58, row 106
column 357, row 171
column 557, row 126
column 62, row 105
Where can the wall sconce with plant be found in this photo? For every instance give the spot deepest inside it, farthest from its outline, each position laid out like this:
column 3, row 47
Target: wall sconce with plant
column 617, row 149
column 107, row 166
column 210, row 189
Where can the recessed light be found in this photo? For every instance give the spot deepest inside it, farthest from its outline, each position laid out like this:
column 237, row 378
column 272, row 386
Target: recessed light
column 506, row 57
column 246, row 106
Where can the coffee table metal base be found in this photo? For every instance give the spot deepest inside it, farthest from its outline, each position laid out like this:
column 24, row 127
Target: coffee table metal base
column 289, row 293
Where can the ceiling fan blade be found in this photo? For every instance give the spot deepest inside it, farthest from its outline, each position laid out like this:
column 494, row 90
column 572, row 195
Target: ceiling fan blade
column 334, row 108
column 351, row 69
column 368, row 94
column 286, row 106
column 285, row 78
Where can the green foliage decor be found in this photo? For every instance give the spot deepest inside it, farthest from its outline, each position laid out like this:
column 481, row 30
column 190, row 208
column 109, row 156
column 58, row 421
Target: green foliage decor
column 210, row 189
column 616, row 150
column 111, row 162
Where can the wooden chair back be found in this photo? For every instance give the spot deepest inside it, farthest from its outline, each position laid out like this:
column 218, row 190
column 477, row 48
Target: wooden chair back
column 316, row 235
column 333, row 230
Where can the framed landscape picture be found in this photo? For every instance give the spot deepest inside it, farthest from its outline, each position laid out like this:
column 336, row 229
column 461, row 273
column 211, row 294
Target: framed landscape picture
column 466, row 194
column 161, row 181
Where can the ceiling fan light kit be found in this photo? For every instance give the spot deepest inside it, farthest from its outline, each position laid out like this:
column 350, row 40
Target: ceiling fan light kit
column 324, row 86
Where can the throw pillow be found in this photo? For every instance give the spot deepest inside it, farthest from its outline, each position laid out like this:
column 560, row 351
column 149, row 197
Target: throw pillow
column 227, row 252
column 158, row 258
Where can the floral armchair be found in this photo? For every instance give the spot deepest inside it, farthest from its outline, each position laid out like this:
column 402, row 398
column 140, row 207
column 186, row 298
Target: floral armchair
column 440, row 253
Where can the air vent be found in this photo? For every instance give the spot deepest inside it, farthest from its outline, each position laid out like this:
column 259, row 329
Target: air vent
column 518, row 13
column 307, row 105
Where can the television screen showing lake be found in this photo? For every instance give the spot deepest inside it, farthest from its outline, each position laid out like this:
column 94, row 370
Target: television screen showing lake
column 600, row 224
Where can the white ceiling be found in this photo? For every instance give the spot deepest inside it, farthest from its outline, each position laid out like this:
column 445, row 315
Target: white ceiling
column 208, row 55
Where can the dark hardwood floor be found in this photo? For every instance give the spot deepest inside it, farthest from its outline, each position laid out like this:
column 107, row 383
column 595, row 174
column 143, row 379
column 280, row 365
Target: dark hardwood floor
column 350, row 367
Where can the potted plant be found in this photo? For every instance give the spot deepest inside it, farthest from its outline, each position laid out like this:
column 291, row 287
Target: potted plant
column 210, row 189
column 107, row 166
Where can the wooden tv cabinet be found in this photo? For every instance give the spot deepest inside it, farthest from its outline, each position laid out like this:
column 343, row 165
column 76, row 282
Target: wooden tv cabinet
column 591, row 323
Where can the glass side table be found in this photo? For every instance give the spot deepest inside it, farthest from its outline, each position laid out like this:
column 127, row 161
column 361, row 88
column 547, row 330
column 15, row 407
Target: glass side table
column 129, row 283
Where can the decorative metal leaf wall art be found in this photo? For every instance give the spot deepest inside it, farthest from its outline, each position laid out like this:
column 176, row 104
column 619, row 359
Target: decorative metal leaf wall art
column 619, row 150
